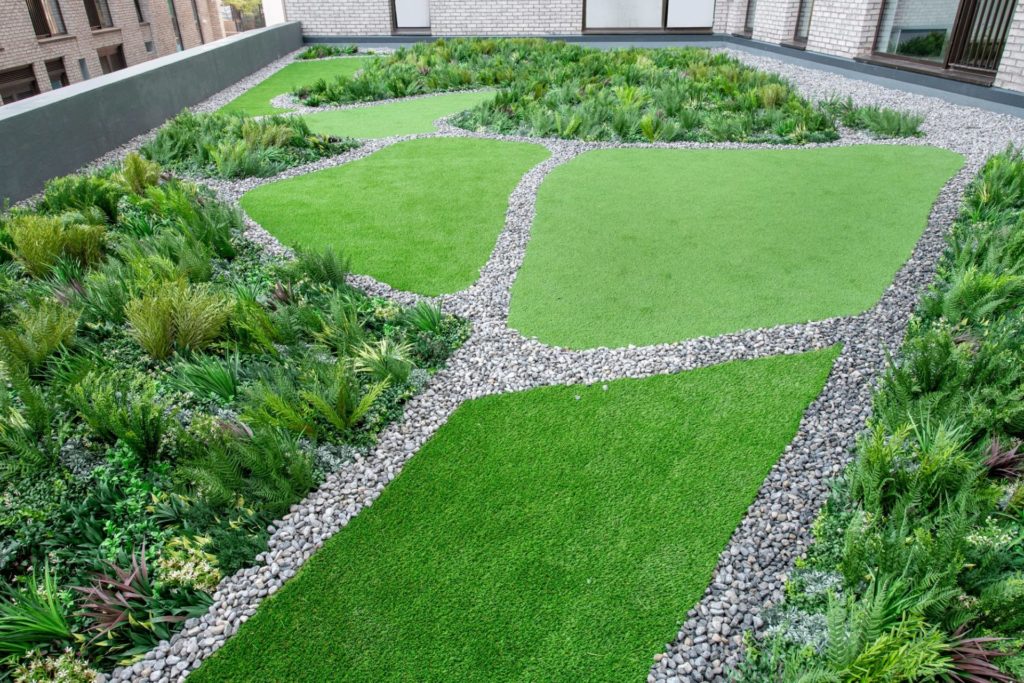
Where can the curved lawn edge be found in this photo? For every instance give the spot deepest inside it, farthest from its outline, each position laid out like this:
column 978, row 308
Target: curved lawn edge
column 421, row 216
column 407, row 116
column 531, row 517
column 641, row 247
column 256, row 101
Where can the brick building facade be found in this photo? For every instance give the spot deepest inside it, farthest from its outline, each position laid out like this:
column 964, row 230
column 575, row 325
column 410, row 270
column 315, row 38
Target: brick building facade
column 950, row 38
column 46, row 44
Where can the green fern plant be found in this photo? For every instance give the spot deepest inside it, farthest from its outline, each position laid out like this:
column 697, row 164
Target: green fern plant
column 123, row 406
column 38, row 331
column 267, row 470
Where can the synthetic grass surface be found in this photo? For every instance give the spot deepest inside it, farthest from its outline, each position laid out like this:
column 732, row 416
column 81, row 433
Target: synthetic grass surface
column 256, row 100
column 422, row 216
column 396, row 118
column 558, row 534
column 645, row 246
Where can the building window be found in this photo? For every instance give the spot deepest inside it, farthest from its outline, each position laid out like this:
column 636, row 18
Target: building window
column 748, row 22
column 803, row 22
column 84, row 68
column 98, row 12
column 199, row 24
column 150, row 47
column 175, row 25
column 966, row 37
column 57, row 73
column 139, row 13
column 47, row 19
column 111, row 58
column 17, row 84
column 633, row 16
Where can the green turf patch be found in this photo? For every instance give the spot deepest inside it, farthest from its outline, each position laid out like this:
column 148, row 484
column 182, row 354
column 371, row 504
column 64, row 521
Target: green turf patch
column 558, row 534
column 256, row 100
column 396, row 118
column 644, row 246
column 422, row 216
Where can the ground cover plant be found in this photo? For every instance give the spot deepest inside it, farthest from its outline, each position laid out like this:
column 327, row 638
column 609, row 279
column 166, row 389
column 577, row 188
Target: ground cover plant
column 256, row 100
column 422, row 216
column 532, row 520
column 704, row 242
column 166, row 390
column 324, row 51
column 882, row 121
column 552, row 89
column 917, row 570
column 237, row 146
column 394, row 118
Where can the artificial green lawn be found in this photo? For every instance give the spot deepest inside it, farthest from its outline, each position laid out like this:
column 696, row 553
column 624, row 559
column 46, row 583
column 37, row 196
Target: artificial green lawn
column 558, row 534
column 422, row 216
column 256, row 100
column 396, row 118
column 644, row 246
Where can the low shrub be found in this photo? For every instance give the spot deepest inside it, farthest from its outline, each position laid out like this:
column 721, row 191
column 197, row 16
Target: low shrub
column 883, row 122
column 322, row 51
column 236, row 146
column 553, row 89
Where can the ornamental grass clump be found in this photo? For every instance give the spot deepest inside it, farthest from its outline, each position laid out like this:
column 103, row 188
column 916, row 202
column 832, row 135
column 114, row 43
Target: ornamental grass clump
column 164, row 385
column 923, row 532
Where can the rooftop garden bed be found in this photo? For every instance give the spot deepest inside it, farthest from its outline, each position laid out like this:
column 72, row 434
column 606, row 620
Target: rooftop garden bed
column 167, row 390
column 554, row 89
column 238, row 146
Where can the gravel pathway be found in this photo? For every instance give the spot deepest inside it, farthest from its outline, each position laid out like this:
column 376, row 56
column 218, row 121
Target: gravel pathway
column 751, row 570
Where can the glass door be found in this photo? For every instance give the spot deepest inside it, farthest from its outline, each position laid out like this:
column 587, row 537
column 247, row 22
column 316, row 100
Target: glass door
column 411, row 16
column 690, row 14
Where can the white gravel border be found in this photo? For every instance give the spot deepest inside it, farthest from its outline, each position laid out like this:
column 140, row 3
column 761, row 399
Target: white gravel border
column 751, row 569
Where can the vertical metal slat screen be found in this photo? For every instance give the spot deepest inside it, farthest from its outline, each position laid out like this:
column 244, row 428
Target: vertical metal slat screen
column 987, row 23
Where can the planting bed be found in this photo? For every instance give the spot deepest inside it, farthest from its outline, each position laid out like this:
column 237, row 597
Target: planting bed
column 573, row 501
column 256, row 100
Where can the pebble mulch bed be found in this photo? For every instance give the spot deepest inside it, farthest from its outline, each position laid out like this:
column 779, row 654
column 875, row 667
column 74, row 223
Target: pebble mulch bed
column 751, row 570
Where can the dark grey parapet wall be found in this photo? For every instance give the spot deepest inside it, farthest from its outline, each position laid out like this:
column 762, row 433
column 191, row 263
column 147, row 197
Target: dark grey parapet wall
column 57, row 132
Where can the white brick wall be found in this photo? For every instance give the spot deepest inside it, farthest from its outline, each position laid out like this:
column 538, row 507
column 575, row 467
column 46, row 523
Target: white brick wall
column 341, row 17
column 1011, row 67
column 506, row 17
column 844, row 28
column 775, row 20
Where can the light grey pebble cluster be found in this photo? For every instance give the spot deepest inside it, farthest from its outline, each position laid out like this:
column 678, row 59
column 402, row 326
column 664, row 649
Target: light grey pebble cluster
column 751, row 570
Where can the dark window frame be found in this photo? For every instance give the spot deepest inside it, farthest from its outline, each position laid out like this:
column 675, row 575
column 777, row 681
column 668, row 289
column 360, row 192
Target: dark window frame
column 663, row 29
column 801, row 40
column 99, row 14
column 46, row 22
column 199, row 23
column 22, row 77
column 175, row 25
column 958, row 42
